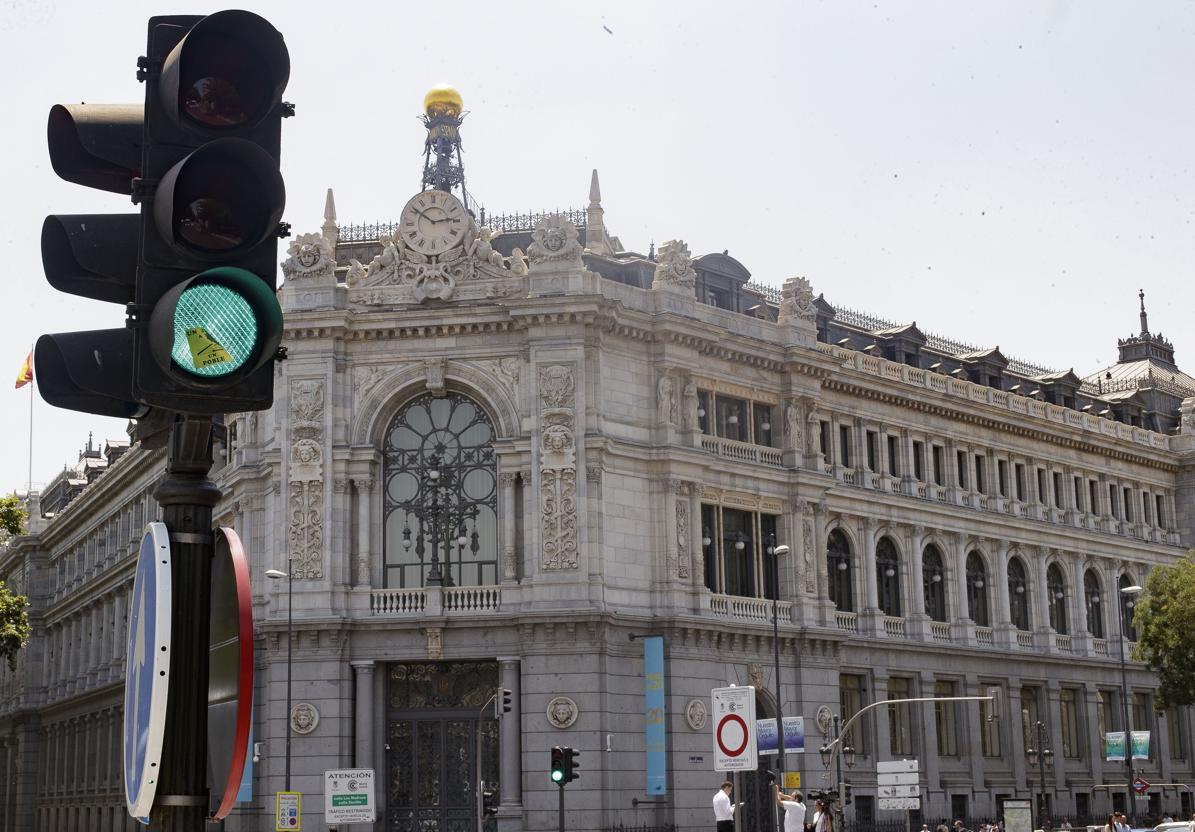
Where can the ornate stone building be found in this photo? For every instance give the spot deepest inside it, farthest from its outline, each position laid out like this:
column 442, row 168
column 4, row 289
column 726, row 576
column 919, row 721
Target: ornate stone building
column 502, row 446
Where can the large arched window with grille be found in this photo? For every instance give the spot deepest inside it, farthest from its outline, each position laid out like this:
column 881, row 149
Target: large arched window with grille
column 1056, row 590
column 440, row 499
column 838, row 563
column 933, row 576
column 1018, row 594
column 977, row 590
column 1093, row 598
column 888, row 576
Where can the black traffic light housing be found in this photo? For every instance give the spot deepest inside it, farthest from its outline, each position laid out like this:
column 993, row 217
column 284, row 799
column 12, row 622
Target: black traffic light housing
column 505, row 700
column 208, row 322
column 489, row 802
column 571, row 765
column 556, row 772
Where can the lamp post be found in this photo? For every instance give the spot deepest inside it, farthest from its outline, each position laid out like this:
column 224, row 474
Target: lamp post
column 1129, row 591
column 775, row 552
column 847, row 756
column 1043, row 758
column 290, row 608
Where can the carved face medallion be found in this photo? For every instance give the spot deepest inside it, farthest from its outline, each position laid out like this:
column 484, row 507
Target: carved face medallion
column 308, row 256
column 554, row 238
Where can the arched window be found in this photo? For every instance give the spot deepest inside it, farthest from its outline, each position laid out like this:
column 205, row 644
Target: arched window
column 977, row 590
column 1056, row 589
column 888, row 576
column 1127, row 602
column 440, row 503
column 838, row 563
column 1018, row 594
column 933, row 576
column 1093, row 598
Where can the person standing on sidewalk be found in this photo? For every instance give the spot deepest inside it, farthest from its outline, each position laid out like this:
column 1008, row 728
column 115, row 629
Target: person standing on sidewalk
column 723, row 808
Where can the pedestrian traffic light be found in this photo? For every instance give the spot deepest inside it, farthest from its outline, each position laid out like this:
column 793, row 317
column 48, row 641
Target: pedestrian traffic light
column 570, row 765
column 208, row 323
column 846, row 794
column 557, row 769
column 505, row 696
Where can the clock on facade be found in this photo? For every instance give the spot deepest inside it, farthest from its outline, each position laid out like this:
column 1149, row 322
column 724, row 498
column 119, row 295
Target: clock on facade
column 433, row 222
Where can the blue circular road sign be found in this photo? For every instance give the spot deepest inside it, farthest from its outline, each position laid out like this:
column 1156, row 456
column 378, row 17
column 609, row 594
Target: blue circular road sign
column 147, row 671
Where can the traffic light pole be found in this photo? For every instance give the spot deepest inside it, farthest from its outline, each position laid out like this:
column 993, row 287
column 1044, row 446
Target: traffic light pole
column 560, row 816
column 187, row 497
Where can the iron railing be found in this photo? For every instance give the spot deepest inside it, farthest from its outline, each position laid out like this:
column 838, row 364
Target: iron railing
column 372, row 231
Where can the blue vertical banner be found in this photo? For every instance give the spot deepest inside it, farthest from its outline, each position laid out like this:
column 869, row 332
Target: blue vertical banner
column 654, row 714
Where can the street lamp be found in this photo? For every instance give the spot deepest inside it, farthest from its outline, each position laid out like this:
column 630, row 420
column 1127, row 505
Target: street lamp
column 1043, row 758
column 775, row 552
column 1129, row 591
column 290, row 608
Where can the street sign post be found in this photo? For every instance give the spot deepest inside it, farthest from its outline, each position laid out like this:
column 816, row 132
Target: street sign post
column 734, row 729
column 147, row 671
column 230, row 672
column 898, row 784
column 1140, row 785
column 288, row 811
column 348, row 796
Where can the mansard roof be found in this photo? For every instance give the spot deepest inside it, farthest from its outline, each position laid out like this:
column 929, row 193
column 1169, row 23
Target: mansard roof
column 722, row 264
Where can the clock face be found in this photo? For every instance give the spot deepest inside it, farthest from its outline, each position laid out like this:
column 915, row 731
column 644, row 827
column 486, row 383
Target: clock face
column 433, row 222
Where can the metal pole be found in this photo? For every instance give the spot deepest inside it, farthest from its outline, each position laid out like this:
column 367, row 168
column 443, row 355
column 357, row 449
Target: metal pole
column 290, row 637
column 1041, row 767
column 187, row 496
column 1124, row 704
column 560, row 811
column 776, row 648
column 841, row 802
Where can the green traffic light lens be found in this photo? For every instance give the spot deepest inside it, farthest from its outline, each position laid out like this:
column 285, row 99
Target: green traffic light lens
column 557, row 776
column 215, row 330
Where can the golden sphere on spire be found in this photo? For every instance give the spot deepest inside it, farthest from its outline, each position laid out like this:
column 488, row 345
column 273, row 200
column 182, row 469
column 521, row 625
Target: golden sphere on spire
column 442, row 99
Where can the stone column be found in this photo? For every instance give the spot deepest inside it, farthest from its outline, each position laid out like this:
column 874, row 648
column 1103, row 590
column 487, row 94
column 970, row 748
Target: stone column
column 1056, row 779
column 871, row 620
column 883, row 730
column 968, row 733
column 960, row 610
column 954, row 491
column 506, row 486
column 364, row 486
column 821, row 565
column 1089, row 694
column 1042, row 596
column 926, row 714
column 882, row 458
column 363, row 670
column 510, row 810
column 1080, row 638
column 860, row 438
column 916, row 592
column 1015, row 734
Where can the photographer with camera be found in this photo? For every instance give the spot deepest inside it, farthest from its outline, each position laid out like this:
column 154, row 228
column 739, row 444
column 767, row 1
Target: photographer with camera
column 794, row 809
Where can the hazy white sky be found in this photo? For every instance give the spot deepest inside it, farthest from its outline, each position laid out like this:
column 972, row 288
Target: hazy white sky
column 1001, row 172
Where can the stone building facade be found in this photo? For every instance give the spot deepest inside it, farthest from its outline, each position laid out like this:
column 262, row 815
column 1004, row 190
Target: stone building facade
column 489, row 466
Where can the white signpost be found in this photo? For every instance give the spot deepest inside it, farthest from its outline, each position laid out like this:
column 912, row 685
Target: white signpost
column 348, row 796
column 898, row 784
column 734, row 729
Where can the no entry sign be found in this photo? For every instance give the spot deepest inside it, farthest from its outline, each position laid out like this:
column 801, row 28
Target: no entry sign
column 734, row 729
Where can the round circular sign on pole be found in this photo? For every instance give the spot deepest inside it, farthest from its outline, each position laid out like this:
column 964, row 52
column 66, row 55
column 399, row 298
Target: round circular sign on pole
column 732, row 735
column 147, row 671
column 230, row 672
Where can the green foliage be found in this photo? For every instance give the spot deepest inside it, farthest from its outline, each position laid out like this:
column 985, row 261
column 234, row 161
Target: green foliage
column 1165, row 621
column 12, row 515
column 14, row 624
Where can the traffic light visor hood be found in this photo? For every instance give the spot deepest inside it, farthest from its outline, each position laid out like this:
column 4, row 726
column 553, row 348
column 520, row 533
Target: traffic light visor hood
column 226, row 75
column 96, row 145
column 221, row 200
column 217, row 326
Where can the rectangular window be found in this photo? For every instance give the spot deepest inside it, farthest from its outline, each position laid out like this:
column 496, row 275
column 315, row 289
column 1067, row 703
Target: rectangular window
column 961, row 458
column 1146, row 506
column 850, row 702
column 1029, row 716
column 1068, row 703
column 762, row 423
column 945, row 717
column 937, row 454
column 1161, row 514
column 1057, row 490
column 1041, row 486
column 824, row 437
column 989, row 731
column 844, row 446
column 703, row 411
column 1103, row 711
column 731, row 418
column 981, row 479
column 894, row 456
column 871, row 450
column 1020, row 481
column 1078, row 494
column 918, row 467
column 734, row 544
column 1113, row 501
column 1128, row 505
column 1140, row 717
column 1002, row 476
column 1093, row 497
column 900, row 721
column 1174, row 730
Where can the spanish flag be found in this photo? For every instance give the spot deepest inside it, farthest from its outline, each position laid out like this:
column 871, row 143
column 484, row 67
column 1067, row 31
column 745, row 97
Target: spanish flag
column 26, row 374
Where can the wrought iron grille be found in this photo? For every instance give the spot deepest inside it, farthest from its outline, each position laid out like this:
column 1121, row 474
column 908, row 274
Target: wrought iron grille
column 440, row 503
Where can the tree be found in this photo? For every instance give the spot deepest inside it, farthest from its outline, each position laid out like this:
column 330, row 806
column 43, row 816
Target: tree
column 1165, row 621
column 14, row 620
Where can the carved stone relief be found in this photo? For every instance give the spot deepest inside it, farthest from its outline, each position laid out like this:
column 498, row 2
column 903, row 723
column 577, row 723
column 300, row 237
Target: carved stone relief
column 309, row 256
column 562, row 711
column 796, row 301
column 304, row 717
column 674, row 268
column 666, row 400
column 435, row 643
column 506, row 370
column 696, row 714
column 554, row 245
column 793, row 433
column 558, row 466
column 682, row 538
column 305, row 475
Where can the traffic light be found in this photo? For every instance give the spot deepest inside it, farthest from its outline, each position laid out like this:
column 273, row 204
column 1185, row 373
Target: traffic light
column 489, row 802
column 570, row 765
column 504, row 697
column 557, row 769
column 207, row 322
column 846, row 794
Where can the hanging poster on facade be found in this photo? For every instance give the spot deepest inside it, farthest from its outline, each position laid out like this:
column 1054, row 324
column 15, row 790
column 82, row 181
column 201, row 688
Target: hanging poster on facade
column 794, row 735
column 654, row 714
column 1114, row 745
column 1140, row 741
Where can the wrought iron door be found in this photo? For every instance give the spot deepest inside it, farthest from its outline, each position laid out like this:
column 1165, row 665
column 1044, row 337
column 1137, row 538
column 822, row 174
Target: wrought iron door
column 759, row 806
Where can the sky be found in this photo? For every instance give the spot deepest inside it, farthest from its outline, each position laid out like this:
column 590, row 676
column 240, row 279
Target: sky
column 1003, row 173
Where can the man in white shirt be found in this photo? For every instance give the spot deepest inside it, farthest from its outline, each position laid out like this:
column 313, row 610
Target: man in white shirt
column 794, row 809
column 723, row 808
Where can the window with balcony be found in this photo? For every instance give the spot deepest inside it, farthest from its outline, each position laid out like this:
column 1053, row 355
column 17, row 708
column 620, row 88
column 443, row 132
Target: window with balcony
column 1078, row 483
column 894, row 456
column 1041, row 486
column 981, row 474
column 738, row 419
column 1092, row 596
column 977, row 590
column 1160, row 506
column 900, row 719
column 440, row 501
column 946, row 719
column 919, row 464
column 1068, row 703
column 734, row 543
column 845, row 457
column 933, row 574
column 851, row 689
column 1002, row 477
column 871, row 450
column 938, row 466
column 888, row 576
column 1057, row 483
column 961, row 465
column 838, row 565
column 1093, row 497
column 1018, row 594
column 1128, row 506
column 1019, row 471
column 1056, row 591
